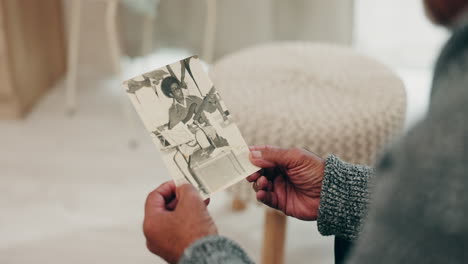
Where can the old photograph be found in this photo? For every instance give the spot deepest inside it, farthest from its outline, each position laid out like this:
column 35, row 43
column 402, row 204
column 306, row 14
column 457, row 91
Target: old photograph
column 191, row 126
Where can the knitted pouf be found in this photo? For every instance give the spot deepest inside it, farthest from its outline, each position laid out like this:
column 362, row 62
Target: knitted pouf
column 325, row 98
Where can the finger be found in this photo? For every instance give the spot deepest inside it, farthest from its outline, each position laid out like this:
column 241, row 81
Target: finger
column 270, row 156
column 255, row 187
column 253, row 177
column 171, row 205
column 262, row 183
column 154, row 203
column 268, row 198
column 167, row 190
column 156, row 200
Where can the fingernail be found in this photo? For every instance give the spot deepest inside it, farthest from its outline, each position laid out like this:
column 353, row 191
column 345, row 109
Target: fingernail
column 256, row 154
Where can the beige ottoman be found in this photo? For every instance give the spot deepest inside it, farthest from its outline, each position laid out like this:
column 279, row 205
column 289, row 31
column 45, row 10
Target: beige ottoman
column 325, row 98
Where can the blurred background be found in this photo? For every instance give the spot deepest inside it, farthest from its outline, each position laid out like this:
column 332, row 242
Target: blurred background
column 76, row 164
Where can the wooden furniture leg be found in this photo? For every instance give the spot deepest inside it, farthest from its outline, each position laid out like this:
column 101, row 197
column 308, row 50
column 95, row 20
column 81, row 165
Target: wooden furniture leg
column 73, row 50
column 115, row 53
column 32, row 53
column 111, row 26
column 238, row 204
column 210, row 31
column 147, row 38
column 274, row 237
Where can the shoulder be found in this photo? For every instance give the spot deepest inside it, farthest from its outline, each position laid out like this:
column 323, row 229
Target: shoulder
column 452, row 54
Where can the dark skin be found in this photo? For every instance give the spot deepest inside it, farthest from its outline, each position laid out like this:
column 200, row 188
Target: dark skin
column 174, row 219
column 445, row 12
column 177, row 93
column 182, row 114
column 290, row 181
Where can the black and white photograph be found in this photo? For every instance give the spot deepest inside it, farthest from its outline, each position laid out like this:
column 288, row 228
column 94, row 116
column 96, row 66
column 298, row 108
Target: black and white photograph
column 191, row 125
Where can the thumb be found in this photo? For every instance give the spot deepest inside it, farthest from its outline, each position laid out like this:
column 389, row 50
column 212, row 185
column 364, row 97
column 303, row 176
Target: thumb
column 187, row 195
column 270, row 156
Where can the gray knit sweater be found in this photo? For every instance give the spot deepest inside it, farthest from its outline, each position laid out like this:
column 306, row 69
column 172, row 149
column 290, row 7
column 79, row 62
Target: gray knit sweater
column 419, row 207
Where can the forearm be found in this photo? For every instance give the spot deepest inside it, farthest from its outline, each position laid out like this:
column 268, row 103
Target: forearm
column 344, row 198
column 215, row 249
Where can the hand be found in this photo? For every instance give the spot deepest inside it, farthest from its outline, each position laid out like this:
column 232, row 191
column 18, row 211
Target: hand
column 174, row 219
column 291, row 180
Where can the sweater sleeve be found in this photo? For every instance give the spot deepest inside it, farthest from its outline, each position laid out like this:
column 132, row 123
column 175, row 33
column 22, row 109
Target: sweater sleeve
column 344, row 198
column 215, row 249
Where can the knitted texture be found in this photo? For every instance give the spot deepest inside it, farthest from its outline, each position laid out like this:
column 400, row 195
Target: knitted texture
column 325, row 98
column 344, row 199
column 214, row 249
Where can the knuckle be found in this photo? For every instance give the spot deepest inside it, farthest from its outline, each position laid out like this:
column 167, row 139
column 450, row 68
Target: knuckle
column 297, row 152
column 150, row 196
column 194, row 198
column 190, row 196
column 268, row 147
column 183, row 187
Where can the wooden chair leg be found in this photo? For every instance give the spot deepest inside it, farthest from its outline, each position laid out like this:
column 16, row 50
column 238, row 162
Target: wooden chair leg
column 73, row 51
column 115, row 53
column 210, row 31
column 111, row 27
column 148, row 34
column 274, row 237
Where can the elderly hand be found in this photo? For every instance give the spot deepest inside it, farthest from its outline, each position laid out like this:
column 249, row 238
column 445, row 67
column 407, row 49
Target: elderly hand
column 174, row 219
column 291, row 180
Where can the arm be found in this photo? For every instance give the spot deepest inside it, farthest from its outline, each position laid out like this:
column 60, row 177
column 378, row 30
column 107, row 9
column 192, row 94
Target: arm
column 344, row 198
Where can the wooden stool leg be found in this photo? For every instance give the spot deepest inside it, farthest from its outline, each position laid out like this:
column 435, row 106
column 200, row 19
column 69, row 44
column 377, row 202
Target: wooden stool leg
column 274, row 237
column 238, row 204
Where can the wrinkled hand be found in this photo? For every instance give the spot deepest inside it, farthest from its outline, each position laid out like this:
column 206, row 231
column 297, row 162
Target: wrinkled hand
column 174, row 219
column 291, row 180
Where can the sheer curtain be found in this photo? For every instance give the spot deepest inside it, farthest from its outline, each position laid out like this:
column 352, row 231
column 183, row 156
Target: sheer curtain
column 239, row 24
column 243, row 23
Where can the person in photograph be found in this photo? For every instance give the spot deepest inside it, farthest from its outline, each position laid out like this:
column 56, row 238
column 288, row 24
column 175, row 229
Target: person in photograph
column 192, row 108
column 183, row 107
column 411, row 208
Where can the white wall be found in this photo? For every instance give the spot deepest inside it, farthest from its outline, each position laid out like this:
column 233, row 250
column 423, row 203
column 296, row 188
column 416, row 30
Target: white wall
column 240, row 23
column 399, row 34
